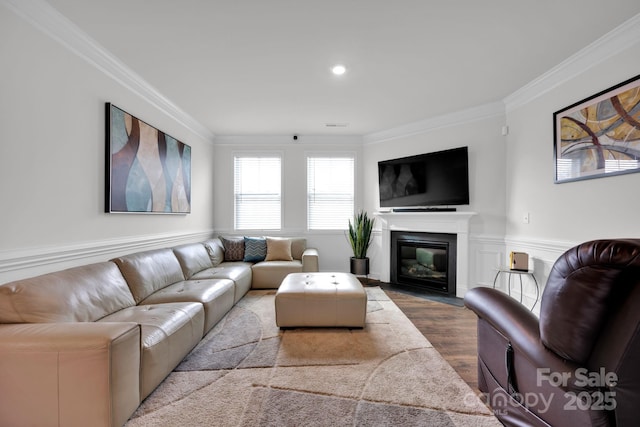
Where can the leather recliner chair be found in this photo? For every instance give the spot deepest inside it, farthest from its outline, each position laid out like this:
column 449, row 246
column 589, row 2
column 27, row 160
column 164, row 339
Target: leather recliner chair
column 579, row 363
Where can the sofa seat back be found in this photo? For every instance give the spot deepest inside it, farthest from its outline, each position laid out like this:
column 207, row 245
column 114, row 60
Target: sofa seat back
column 298, row 246
column 215, row 248
column 80, row 294
column 193, row 258
column 149, row 271
column 598, row 274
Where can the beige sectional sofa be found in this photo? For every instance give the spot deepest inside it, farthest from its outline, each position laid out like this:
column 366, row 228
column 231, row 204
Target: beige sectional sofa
column 268, row 274
column 85, row 346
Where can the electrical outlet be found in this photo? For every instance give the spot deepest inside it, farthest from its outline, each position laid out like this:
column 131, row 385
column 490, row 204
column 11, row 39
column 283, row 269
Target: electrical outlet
column 525, row 218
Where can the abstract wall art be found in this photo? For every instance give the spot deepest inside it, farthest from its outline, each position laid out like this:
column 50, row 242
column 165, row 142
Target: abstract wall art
column 147, row 171
column 600, row 135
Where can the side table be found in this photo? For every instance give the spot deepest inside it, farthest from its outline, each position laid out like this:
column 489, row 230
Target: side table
column 519, row 273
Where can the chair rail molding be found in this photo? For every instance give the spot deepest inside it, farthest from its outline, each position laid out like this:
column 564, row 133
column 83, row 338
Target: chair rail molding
column 15, row 264
column 546, row 245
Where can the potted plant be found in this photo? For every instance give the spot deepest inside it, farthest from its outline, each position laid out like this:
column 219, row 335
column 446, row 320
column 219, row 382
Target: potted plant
column 360, row 239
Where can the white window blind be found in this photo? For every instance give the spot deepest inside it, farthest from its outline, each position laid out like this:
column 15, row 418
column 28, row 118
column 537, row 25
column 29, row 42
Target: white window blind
column 258, row 192
column 330, row 192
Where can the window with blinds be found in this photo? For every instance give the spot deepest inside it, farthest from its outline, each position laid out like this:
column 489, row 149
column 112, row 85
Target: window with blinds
column 330, row 192
column 258, row 192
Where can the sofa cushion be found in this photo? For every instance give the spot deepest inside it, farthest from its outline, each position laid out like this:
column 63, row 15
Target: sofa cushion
column 269, row 274
column 168, row 332
column 149, row 271
column 193, row 258
column 80, row 294
column 216, row 295
column 278, row 249
column 233, row 248
column 255, row 249
column 239, row 272
column 215, row 251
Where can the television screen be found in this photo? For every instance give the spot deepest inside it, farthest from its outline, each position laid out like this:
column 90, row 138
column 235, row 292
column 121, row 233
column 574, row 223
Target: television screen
column 433, row 179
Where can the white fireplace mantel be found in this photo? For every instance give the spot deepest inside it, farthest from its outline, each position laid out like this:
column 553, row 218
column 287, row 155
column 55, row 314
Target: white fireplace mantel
column 429, row 222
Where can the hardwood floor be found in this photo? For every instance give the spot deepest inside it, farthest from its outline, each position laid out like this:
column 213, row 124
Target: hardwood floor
column 451, row 330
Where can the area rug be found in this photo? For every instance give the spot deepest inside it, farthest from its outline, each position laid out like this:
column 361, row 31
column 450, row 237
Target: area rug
column 247, row 372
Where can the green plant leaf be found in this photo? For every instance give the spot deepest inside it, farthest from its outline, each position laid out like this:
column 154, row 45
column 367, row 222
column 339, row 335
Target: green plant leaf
column 360, row 234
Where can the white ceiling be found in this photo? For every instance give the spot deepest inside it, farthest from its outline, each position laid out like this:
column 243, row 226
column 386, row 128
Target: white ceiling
column 262, row 67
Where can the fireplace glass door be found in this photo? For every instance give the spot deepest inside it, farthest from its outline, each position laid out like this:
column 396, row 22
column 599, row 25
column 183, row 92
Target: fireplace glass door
column 424, row 261
column 420, row 262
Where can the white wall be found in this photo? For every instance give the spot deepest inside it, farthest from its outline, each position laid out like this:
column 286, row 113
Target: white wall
column 52, row 148
column 513, row 176
column 486, row 184
column 562, row 215
column 333, row 246
column 52, row 168
column 575, row 211
column 486, row 166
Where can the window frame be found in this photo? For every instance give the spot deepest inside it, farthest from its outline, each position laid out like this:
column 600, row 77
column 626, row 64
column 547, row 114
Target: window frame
column 330, row 154
column 258, row 154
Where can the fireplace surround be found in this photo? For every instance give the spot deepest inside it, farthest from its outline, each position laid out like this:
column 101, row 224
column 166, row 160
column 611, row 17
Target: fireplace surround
column 456, row 223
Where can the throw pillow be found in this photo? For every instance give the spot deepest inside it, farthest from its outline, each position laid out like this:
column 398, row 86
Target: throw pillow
column 278, row 249
column 233, row 248
column 255, row 249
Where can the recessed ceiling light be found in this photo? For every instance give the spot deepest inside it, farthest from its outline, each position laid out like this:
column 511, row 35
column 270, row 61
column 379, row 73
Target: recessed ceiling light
column 338, row 69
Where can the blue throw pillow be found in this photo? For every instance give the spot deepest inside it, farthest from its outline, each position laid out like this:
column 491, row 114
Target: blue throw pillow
column 255, row 249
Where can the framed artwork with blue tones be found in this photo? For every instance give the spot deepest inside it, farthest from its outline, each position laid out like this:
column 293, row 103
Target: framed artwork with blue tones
column 600, row 135
column 147, row 171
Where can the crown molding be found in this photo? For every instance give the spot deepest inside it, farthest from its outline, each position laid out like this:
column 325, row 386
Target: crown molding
column 615, row 41
column 468, row 115
column 43, row 16
column 274, row 140
column 51, row 22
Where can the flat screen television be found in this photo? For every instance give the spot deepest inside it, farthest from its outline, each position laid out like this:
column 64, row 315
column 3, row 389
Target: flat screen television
column 426, row 180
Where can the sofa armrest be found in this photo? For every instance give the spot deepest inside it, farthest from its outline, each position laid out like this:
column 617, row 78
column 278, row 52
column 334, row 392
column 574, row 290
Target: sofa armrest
column 521, row 328
column 310, row 260
column 72, row 374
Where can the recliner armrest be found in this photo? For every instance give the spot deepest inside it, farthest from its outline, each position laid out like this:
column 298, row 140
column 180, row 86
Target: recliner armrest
column 310, row 260
column 515, row 322
column 504, row 313
column 74, row 374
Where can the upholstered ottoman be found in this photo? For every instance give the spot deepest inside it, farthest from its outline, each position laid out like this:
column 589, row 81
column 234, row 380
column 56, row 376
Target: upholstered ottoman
column 321, row 299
